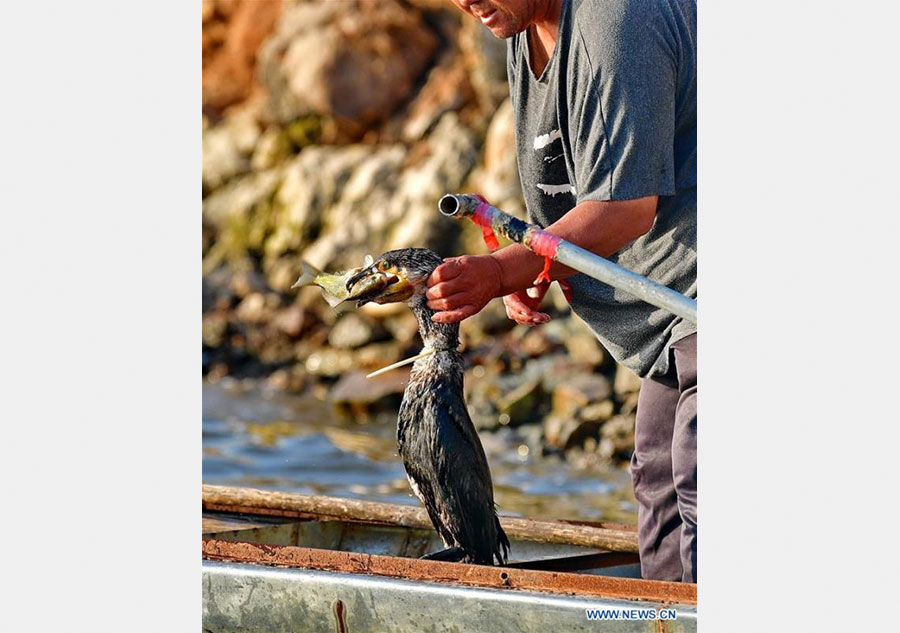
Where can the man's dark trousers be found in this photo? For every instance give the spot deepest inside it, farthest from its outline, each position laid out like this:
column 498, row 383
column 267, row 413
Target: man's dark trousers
column 664, row 468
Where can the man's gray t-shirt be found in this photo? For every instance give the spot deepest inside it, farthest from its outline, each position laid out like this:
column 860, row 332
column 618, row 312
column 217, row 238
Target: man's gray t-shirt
column 614, row 117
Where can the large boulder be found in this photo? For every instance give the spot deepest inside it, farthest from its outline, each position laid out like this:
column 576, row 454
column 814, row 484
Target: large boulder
column 232, row 32
column 323, row 192
column 446, row 89
column 332, row 205
column 381, row 205
column 452, row 152
column 344, row 197
column 328, row 203
column 354, row 61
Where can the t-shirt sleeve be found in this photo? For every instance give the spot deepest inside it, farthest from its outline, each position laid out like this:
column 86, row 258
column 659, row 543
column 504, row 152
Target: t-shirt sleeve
column 621, row 100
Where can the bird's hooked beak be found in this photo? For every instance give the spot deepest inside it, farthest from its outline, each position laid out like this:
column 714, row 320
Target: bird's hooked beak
column 381, row 283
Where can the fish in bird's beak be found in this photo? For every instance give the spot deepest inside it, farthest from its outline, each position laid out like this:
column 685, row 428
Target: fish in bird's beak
column 382, row 283
column 333, row 285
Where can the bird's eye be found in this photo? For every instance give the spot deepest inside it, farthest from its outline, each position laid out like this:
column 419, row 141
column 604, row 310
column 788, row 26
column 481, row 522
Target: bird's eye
column 383, row 266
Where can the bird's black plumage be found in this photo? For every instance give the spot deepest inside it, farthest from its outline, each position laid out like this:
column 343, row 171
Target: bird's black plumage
column 441, row 450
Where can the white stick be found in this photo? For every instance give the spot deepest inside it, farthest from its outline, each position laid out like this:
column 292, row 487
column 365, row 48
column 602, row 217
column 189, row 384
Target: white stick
column 425, row 352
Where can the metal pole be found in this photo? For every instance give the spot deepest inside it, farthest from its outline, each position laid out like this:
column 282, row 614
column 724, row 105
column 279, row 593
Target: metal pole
column 534, row 237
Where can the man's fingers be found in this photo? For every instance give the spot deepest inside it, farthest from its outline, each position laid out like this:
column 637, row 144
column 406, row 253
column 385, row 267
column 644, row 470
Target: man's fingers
column 518, row 313
column 522, row 317
column 529, row 321
column 513, row 315
column 446, row 271
column 445, row 289
column 453, row 316
column 523, row 314
column 516, row 302
column 516, row 310
column 522, row 320
column 448, row 303
column 532, row 321
column 525, row 305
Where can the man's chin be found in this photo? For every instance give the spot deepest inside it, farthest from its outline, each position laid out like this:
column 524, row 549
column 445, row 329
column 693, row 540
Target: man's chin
column 503, row 31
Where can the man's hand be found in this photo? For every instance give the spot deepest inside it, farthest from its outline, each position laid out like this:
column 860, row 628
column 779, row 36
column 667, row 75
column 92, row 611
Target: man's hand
column 462, row 286
column 522, row 307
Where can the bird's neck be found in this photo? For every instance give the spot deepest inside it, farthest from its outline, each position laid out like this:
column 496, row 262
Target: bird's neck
column 439, row 336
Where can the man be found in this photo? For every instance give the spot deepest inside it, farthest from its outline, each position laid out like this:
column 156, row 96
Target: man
column 604, row 93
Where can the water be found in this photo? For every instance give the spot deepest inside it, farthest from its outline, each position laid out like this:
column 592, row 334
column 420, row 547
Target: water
column 263, row 439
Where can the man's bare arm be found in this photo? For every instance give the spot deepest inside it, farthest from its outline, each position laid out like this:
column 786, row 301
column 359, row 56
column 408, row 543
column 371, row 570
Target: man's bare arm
column 600, row 227
column 462, row 286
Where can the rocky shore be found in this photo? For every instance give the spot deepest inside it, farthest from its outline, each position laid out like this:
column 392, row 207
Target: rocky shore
column 330, row 130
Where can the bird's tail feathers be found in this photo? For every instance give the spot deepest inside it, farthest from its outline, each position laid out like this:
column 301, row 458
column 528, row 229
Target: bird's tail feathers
column 501, row 548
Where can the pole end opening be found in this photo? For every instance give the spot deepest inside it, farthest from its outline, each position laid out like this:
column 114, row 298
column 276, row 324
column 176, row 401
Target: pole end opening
column 449, row 205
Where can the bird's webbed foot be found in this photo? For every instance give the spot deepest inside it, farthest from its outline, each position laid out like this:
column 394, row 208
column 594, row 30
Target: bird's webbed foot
column 449, row 555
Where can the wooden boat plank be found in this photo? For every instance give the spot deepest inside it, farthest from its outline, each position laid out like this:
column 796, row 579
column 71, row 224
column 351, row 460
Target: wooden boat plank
column 263, row 502
column 435, row 571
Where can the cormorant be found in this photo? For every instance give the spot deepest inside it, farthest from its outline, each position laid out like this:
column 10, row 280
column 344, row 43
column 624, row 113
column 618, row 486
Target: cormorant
column 441, row 451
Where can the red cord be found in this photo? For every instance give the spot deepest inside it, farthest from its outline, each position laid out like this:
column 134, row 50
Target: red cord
column 545, row 245
column 545, row 274
column 482, row 217
column 489, row 238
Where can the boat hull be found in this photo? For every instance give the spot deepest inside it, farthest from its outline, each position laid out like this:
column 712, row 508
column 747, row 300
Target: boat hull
column 246, row 597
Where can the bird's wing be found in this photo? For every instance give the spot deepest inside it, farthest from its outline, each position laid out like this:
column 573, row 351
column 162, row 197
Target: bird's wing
column 460, row 461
